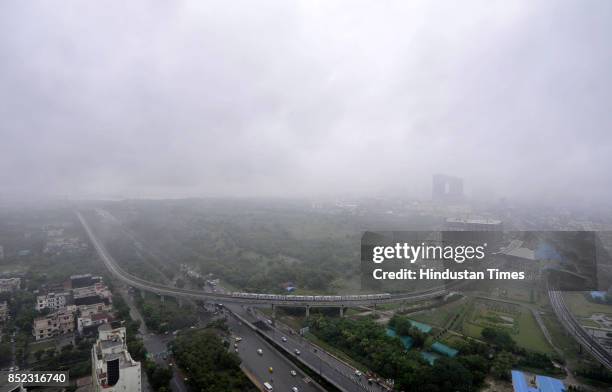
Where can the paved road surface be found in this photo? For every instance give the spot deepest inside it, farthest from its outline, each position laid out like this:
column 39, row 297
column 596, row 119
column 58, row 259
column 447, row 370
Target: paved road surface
column 155, row 344
column 317, row 359
column 281, row 379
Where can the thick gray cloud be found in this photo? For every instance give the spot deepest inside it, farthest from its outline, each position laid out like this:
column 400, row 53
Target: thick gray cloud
column 306, row 98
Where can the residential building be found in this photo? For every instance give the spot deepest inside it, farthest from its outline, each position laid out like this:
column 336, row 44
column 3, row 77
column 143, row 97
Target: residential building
column 84, row 280
column 53, row 301
column 91, row 322
column 57, row 323
column 88, row 310
column 9, row 284
column 113, row 368
column 98, row 289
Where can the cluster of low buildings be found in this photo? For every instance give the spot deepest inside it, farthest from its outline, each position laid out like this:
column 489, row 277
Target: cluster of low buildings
column 9, row 285
column 58, row 242
column 84, row 303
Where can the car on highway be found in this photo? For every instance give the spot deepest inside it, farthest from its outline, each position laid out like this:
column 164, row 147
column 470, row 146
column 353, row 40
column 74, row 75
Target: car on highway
column 295, row 389
column 238, row 339
column 284, row 339
column 268, row 387
column 357, row 373
column 297, row 352
column 293, row 373
column 259, row 351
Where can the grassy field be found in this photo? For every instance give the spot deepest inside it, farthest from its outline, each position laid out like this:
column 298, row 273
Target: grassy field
column 559, row 336
column 453, row 340
column 517, row 320
column 582, row 307
column 352, row 311
column 441, row 315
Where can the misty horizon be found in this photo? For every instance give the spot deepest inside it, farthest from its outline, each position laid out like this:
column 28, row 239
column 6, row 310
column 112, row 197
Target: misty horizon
column 306, row 99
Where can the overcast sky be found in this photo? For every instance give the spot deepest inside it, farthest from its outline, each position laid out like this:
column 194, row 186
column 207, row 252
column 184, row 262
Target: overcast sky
column 274, row 98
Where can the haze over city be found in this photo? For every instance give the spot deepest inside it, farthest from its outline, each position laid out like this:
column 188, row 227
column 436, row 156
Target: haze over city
column 157, row 99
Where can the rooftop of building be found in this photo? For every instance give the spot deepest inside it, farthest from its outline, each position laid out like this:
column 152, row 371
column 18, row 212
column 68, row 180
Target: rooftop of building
column 521, row 382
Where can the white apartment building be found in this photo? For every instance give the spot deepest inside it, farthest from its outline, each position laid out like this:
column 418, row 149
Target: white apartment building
column 53, row 301
column 113, row 369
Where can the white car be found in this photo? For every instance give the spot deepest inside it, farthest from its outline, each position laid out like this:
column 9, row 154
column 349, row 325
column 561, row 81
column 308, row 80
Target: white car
column 259, row 351
column 357, row 373
column 293, row 373
column 297, row 352
column 295, row 389
column 284, row 339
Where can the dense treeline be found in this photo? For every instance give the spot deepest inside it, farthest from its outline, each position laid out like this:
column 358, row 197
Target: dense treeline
column 367, row 342
column 208, row 363
column 167, row 316
column 254, row 247
column 22, row 313
column 511, row 354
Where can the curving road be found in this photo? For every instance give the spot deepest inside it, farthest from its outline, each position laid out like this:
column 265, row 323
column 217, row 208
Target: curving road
column 162, row 289
column 572, row 325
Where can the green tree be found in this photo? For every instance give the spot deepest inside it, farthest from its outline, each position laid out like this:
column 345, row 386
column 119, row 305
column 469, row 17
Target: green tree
column 502, row 365
column 499, row 338
column 210, row 367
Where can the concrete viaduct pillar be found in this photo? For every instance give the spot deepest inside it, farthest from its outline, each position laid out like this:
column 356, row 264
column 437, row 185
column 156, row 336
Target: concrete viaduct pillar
column 341, row 311
column 143, row 295
column 307, row 311
column 273, row 312
column 162, row 298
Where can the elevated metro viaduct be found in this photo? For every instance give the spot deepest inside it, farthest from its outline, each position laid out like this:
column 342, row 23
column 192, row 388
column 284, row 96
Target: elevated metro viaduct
column 289, row 301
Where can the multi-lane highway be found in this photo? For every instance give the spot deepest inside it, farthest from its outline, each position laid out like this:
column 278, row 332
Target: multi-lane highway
column 258, row 365
column 332, row 369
